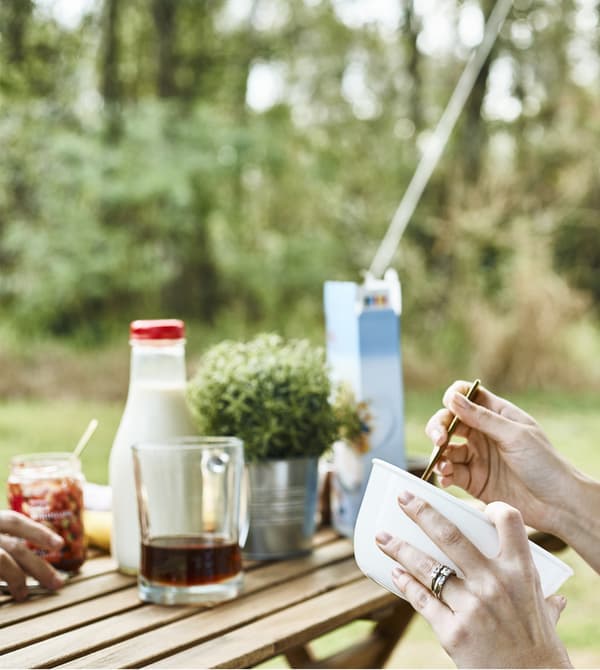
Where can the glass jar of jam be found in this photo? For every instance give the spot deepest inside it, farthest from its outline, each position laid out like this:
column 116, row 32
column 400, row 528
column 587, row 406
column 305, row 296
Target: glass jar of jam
column 49, row 488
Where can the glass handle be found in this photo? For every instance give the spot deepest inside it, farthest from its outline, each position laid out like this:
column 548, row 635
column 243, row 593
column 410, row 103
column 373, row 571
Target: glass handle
column 244, row 508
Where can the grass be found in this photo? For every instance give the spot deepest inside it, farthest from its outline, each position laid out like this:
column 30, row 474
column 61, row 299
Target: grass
column 572, row 421
column 29, row 426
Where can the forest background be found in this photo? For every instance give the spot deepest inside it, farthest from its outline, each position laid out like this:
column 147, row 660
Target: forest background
column 218, row 160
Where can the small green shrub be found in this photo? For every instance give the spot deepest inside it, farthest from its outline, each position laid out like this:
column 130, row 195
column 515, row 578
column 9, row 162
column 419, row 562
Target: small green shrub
column 353, row 418
column 270, row 392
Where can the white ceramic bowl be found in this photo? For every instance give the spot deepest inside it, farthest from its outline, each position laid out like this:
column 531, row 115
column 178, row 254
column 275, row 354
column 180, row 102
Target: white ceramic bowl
column 379, row 511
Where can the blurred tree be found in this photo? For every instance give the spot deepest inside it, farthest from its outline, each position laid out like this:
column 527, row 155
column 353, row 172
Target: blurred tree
column 110, row 84
column 15, row 16
column 412, row 27
column 165, row 16
column 473, row 127
column 577, row 251
column 220, row 160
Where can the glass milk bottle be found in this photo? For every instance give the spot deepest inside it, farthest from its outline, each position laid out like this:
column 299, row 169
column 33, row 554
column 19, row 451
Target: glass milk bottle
column 155, row 409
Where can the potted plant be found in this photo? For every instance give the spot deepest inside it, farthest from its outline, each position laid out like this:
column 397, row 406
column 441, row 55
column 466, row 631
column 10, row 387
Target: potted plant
column 348, row 462
column 274, row 394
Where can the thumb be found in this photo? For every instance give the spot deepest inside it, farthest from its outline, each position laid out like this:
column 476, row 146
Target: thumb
column 556, row 604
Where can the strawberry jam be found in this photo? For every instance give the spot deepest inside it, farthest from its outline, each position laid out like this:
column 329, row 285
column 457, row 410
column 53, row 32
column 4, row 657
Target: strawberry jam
column 48, row 489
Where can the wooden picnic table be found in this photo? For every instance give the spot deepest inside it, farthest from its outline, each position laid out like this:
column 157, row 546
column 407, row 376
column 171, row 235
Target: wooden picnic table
column 97, row 620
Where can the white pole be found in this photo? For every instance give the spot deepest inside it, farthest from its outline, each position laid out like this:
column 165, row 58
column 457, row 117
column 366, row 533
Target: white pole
column 437, row 143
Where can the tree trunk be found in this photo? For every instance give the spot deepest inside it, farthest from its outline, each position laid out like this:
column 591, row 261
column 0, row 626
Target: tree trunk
column 110, row 83
column 195, row 290
column 474, row 131
column 412, row 64
column 474, row 135
column 164, row 14
column 111, row 88
column 16, row 17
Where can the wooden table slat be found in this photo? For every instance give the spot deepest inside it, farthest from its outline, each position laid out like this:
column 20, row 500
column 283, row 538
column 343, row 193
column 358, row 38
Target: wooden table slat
column 269, row 636
column 324, row 535
column 54, row 623
column 100, row 565
column 86, row 589
column 144, row 649
column 111, row 630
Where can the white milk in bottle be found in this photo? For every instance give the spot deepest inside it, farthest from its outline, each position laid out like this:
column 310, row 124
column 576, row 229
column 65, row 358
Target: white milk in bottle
column 156, row 409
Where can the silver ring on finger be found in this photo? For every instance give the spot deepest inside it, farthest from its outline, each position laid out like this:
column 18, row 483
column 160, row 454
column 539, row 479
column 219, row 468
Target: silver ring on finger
column 439, row 576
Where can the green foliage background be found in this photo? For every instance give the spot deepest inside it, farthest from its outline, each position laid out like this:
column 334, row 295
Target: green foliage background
column 136, row 180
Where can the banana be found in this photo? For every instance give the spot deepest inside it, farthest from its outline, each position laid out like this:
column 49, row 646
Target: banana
column 97, row 526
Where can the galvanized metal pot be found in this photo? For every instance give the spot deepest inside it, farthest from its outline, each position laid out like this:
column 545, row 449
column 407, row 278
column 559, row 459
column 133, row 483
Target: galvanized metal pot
column 283, row 502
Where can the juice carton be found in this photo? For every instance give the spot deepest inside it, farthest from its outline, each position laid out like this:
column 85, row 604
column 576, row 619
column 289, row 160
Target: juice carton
column 363, row 350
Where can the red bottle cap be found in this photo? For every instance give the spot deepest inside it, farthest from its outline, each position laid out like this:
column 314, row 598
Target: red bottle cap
column 157, row 329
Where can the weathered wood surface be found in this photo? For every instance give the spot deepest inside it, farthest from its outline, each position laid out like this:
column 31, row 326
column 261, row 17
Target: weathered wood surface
column 97, row 620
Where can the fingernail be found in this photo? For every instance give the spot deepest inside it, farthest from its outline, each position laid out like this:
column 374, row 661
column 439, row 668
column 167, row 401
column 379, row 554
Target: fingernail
column 397, row 572
column 442, row 466
column 405, row 497
column 436, row 436
column 57, row 541
column 460, row 400
column 563, row 603
column 57, row 582
column 383, row 537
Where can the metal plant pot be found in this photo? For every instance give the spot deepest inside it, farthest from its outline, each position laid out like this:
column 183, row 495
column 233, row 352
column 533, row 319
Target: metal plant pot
column 283, row 502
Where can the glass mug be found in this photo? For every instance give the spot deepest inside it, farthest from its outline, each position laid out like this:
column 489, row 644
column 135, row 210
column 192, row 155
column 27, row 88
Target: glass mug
column 193, row 519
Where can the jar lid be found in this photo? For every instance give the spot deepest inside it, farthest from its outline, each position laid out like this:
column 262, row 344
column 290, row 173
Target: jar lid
column 45, row 465
column 157, row 329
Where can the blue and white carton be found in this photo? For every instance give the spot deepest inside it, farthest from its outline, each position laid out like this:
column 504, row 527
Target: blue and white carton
column 363, row 351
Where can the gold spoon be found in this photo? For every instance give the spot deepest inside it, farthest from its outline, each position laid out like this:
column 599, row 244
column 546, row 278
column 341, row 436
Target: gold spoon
column 438, row 451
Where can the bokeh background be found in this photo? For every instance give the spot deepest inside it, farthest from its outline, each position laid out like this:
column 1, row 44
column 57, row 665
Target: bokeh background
column 218, row 160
